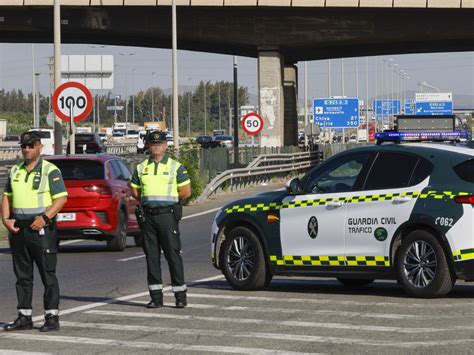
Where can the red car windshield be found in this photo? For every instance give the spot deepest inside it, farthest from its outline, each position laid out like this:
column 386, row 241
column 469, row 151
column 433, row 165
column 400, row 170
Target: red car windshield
column 75, row 169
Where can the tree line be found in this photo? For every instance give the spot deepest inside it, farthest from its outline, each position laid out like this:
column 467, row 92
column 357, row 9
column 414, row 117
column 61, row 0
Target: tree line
column 205, row 108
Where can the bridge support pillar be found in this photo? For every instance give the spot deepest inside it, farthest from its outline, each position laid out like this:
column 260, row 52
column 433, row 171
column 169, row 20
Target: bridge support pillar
column 277, row 99
column 290, row 93
column 271, row 102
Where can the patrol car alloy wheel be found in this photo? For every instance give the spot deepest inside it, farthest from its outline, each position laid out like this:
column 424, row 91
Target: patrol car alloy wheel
column 242, row 260
column 422, row 267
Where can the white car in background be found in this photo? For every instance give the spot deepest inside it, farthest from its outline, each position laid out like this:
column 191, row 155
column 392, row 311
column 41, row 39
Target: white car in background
column 47, row 139
column 225, row 140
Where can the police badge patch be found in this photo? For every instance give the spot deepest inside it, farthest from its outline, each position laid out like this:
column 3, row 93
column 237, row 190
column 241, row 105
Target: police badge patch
column 313, row 227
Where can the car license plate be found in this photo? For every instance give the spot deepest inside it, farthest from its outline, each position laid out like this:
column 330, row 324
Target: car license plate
column 66, row 217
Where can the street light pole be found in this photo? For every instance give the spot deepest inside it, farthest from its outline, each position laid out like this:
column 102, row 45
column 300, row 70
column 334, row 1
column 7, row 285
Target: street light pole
column 58, row 135
column 205, row 110
column 152, row 97
column 175, row 77
column 306, row 102
column 133, row 95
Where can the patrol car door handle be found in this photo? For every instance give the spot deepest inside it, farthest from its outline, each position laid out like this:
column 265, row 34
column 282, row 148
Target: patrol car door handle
column 335, row 203
column 401, row 199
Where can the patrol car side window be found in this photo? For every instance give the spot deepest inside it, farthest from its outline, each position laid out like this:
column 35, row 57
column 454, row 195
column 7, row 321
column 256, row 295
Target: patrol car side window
column 391, row 170
column 341, row 176
column 465, row 170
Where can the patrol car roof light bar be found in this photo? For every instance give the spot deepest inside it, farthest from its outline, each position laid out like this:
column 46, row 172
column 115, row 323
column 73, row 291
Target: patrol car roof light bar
column 398, row 137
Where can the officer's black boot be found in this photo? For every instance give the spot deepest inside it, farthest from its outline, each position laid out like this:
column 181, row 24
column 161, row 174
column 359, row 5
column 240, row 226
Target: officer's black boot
column 21, row 323
column 156, row 300
column 51, row 323
column 181, row 299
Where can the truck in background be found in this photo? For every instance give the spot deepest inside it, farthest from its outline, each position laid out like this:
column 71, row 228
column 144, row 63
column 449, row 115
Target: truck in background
column 155, row 126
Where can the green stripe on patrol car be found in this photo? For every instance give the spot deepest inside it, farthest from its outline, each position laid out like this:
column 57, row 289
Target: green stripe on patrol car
column 349, row 199
column 463, row 254
column 306, row 260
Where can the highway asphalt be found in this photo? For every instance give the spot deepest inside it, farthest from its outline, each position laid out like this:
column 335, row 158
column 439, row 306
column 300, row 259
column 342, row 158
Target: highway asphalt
column 104, row 294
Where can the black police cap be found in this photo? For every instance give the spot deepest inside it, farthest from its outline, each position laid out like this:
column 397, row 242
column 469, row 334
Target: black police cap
column 155, row 137
column 30, row 138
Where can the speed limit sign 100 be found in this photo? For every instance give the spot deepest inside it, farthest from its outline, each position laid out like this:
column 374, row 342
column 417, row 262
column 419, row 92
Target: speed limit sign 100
column 252, row 123
column 72, row 99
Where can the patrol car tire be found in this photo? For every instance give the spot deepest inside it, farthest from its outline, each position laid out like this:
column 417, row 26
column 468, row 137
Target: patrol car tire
column 355, row 282
column 249, row 243
column 441, row 283
column 119, row 241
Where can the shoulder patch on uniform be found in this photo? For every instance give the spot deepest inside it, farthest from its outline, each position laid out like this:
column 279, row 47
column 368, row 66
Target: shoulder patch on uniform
column 56, row 178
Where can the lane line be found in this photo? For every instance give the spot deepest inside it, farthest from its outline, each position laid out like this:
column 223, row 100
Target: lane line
column 123, row 298
column 132, row 258
column 142, row 344
column 9, row 351
column 320, row 301
column 307, row 311
column 273, row 336
column 201, row 213
column 352, row 327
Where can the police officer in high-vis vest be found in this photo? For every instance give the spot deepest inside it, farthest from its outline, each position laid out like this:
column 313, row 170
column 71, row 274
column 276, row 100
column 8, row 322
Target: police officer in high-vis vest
column 160, row 184
column 34, row 194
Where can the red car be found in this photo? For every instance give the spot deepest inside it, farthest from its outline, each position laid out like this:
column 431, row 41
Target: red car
column 100, row 205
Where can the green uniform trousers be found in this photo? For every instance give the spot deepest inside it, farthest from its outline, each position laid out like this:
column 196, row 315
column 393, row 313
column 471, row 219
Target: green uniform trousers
column 161, row 232
column 28, row 247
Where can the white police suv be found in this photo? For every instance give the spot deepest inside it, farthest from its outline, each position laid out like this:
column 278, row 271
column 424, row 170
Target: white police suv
column 394, row 211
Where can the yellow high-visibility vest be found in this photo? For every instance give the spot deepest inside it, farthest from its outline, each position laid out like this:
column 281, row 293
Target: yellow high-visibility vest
column 27, row 200
column 163, row 186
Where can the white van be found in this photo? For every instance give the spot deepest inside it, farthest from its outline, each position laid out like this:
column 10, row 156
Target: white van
column 141, row 141
column 47, row 139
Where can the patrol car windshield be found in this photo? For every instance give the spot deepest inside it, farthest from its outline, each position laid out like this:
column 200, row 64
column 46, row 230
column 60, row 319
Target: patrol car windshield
column 339, row 176
column 80, row 169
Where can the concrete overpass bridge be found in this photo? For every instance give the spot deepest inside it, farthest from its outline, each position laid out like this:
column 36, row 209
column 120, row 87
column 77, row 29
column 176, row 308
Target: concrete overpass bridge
column 277, row 32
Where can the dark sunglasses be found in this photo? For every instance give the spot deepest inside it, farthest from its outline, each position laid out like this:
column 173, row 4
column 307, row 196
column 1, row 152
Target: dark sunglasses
column 24, row 146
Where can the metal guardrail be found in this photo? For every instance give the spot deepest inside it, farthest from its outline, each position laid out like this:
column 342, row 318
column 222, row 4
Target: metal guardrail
column 259, row 169
column 13, row 153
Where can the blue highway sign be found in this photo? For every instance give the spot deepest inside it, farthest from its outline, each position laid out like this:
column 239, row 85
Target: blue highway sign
column 434, row 108
column 386, row 107
column 336, row 113
column 409, row 107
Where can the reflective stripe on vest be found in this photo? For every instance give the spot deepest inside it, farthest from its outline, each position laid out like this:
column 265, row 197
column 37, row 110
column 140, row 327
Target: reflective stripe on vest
column 25, row 199
column 163, row 185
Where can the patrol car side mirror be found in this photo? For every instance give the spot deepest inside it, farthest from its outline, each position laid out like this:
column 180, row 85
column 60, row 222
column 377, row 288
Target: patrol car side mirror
column 294, row 186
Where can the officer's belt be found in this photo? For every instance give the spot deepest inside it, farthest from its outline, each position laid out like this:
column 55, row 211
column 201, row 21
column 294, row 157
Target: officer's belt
column 23, row 223
column 157, row 210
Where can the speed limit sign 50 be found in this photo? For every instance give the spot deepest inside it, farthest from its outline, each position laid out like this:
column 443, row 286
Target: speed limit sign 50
column 72, row 100
column 252, row 123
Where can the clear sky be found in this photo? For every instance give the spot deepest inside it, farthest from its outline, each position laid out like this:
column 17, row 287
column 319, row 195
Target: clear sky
column 450, row 72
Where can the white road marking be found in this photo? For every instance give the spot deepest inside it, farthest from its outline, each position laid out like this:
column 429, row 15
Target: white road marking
column 352, row 327
column 274, row 336
column 71, row 242
column 142, row 344
column 133, row 258
column 119, row 299
column 9, row 351
column 327, row 301
column 305, row 311
column 201, row 213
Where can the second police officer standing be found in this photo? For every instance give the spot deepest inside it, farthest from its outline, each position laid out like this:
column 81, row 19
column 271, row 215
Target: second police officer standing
column 160, row 184
column 34, row 194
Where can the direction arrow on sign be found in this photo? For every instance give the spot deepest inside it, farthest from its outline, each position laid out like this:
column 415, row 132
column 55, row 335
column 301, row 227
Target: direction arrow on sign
column 252, row 123
column 72, row 100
